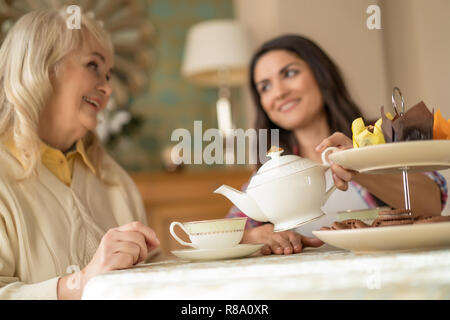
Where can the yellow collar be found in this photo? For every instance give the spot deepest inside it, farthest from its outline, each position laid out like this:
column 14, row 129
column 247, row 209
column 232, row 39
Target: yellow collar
column 50, row 156
column 82, row 151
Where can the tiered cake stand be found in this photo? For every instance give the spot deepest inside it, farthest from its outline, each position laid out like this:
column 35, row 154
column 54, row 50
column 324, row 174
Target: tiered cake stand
column 400, row 157
column 393, row 158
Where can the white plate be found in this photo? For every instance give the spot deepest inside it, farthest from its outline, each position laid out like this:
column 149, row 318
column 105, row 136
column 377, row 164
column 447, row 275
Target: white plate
column 417, row 156
column 394, row 238
column 239, row 251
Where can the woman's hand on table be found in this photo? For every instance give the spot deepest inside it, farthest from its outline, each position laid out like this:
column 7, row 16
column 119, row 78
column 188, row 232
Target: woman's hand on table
column 120, row 248
column 285, row 242
column 341, row 176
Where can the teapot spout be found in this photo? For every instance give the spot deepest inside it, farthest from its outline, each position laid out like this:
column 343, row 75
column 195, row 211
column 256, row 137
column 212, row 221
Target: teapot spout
column 243, row 201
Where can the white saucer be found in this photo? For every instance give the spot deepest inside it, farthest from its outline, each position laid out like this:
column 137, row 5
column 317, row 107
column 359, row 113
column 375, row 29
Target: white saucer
column 411, row 237
column 417, row 156
column 239, row 251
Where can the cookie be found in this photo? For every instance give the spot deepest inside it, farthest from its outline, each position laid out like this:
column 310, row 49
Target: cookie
column 388, row 218
column 339, row 226
column 380, row 222
column 356, row 224
column 395, row 218
column 349, row 224
column 359, row 224
column 395, row 212
column 430, row 219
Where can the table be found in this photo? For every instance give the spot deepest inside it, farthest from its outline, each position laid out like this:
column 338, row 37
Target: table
column 316, row 273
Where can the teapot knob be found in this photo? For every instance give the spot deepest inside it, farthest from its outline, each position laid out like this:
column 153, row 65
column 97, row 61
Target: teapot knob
column 274, row 151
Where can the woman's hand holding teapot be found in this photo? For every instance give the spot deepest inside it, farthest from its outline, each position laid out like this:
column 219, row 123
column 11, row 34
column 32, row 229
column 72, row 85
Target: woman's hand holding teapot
column 341, row 176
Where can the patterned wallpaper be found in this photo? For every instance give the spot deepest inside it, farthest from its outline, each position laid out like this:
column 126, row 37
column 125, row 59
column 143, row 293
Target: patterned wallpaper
column 171, row 102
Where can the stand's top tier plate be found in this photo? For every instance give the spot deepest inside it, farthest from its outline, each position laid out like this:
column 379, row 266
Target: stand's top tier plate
column 416, row 156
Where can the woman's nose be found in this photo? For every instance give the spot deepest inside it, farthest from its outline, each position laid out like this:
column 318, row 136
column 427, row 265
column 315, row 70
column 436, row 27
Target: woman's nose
column 280, row 90
column 105, row 88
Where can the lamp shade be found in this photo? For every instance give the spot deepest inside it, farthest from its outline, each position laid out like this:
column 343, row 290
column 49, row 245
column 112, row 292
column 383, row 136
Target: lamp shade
column 217, row 53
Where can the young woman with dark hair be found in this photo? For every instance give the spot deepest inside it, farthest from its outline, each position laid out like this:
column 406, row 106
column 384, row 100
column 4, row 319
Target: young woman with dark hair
column 298, row 89
column 339, row 108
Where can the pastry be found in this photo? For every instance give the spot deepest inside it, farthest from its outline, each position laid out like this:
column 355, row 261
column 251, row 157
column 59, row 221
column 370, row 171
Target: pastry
column 415, row 124
column 366, row 136
column 441, row 127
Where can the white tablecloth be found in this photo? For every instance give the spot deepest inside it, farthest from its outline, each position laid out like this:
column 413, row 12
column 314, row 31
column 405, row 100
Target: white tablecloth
column 323, row 273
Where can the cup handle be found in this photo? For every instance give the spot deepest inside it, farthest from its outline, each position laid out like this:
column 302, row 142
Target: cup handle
column 324, row 154
column 172, row 232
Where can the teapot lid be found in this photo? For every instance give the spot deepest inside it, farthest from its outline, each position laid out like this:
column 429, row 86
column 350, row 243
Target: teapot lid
column 280, row 166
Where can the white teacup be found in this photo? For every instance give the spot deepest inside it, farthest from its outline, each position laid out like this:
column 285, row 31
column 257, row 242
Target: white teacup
column 211, row 234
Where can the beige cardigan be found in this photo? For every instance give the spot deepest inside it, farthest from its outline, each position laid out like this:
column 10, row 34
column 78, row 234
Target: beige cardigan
column 47, row 228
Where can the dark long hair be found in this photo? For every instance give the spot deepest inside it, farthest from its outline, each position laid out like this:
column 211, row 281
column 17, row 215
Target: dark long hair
column 339, row 107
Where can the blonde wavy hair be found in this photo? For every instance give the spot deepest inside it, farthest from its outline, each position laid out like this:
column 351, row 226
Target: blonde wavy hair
column 32, row 50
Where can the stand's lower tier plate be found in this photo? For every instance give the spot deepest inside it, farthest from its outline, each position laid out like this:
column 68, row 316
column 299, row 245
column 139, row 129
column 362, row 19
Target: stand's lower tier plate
column 390, row 239
column 416, row 156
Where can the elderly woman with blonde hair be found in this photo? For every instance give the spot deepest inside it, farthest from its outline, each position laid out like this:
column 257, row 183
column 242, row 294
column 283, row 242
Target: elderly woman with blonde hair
column 65, row 205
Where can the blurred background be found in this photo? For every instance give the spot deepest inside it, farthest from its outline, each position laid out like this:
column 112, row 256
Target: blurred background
column 156, row 94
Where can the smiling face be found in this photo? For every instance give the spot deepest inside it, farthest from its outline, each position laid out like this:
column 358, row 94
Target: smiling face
column 80, row 91
column 289, row 93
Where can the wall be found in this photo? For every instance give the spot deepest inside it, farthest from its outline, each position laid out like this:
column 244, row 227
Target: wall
column 339, row 27
column 411, row 50
column 170, row 101
column 418, row 50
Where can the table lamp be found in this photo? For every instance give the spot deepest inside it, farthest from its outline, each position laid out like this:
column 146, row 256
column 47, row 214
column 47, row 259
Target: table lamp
column 217, row 54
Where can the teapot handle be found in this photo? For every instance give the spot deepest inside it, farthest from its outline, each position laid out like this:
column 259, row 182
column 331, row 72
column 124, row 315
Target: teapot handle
column 324, row 154
column 329, row 192
column 325, row 162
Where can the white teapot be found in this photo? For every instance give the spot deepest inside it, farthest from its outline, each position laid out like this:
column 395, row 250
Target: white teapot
column 287, row 191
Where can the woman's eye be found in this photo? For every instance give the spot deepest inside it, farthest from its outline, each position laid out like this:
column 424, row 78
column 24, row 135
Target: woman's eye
column 93, row 65
column 264, row 87
column 291, row 73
